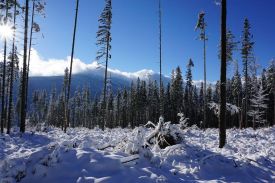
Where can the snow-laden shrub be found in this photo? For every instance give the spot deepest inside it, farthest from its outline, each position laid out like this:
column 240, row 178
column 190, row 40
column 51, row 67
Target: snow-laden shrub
column 183, row 121
column 164, row 134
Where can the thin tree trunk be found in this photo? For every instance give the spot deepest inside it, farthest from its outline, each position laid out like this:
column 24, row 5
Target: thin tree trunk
column 246, row 93
column 12, row 70
column 222, row 116
column 23, row 89
column 105, row 84
column 204, row 84
column 67, row 120
column 29, row 54
column 160, row 61
column 3, row 112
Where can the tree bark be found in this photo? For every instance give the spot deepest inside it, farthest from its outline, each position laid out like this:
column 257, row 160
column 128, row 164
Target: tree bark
column 222, row 116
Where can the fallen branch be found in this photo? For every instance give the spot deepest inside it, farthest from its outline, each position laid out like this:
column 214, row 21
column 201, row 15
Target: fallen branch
column 129, row 159
column 105, row 147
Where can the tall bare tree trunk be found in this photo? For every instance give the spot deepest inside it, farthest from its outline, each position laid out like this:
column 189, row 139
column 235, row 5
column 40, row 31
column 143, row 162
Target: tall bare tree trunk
column 29, row 54
column 23, row 89
column 105, row 84
column 12, row 71
column 204, row 84
column 160, row 61
column 67, row 117
column 222, row 116
column 3, row 112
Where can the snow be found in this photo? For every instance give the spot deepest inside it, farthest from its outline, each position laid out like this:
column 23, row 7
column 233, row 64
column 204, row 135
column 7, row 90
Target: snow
column 233, row 109
column 54, row 156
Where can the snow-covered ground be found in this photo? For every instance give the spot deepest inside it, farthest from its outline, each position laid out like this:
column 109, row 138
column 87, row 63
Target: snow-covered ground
column 53, row 157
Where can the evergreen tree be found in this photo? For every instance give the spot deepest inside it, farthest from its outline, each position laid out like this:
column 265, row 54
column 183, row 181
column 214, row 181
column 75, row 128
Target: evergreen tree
column 270, row 77
column 237, row 87
column 188, row 90
column 125, row 107
column 258, row 104
column 231, row 46
column 201, row 25
column 103, row 41
column 247, row 55
column 177, row 94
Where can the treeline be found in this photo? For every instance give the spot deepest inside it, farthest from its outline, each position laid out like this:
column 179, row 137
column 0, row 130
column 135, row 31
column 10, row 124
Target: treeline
column 138, row 104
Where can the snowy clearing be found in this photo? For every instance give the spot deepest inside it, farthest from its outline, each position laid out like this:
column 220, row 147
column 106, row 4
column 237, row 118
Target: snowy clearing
column 41, row 157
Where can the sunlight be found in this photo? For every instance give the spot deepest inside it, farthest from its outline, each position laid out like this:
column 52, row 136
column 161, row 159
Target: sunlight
column 6, row 30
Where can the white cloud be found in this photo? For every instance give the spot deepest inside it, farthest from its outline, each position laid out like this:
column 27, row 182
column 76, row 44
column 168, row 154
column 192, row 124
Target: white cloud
column 56, row 67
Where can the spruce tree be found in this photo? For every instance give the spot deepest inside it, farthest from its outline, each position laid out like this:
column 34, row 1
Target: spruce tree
column 201, row 25
column 247, row 55
column 270, row 77
column 104, row 43
column 259, row 105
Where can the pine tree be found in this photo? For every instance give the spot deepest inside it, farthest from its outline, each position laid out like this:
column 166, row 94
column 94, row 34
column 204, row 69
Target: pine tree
column 118, row 109
column 270, row 77
column 258, row 104
column 103, row 41
column 177, row 94
column 247, row 55
column 237, row 87
column 201, row 25
column 231, row 46
column 125, row 107
column 167, row 103
column 209, row 93
column 188, row 89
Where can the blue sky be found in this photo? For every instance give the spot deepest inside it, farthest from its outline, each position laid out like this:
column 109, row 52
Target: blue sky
column 135, row 32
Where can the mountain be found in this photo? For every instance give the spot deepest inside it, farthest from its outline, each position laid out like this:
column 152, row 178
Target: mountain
column 93, row 78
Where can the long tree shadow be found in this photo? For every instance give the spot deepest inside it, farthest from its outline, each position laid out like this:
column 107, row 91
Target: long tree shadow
column 20, row 143
column 196, row 164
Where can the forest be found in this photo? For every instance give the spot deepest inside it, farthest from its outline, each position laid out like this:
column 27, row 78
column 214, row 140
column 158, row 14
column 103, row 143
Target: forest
column 164, row 112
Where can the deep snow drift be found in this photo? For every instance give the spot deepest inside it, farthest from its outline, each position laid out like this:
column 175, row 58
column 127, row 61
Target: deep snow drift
column 54, row 156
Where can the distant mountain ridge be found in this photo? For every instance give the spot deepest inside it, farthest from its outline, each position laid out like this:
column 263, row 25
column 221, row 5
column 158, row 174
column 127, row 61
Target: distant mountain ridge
column 93, row 78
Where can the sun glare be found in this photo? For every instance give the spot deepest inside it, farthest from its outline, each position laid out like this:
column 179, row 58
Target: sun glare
column 6, row 31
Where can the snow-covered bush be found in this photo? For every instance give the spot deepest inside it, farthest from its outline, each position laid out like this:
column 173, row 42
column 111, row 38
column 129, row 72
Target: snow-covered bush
column 183, row 121
column 164, row 134
column 233, row 109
